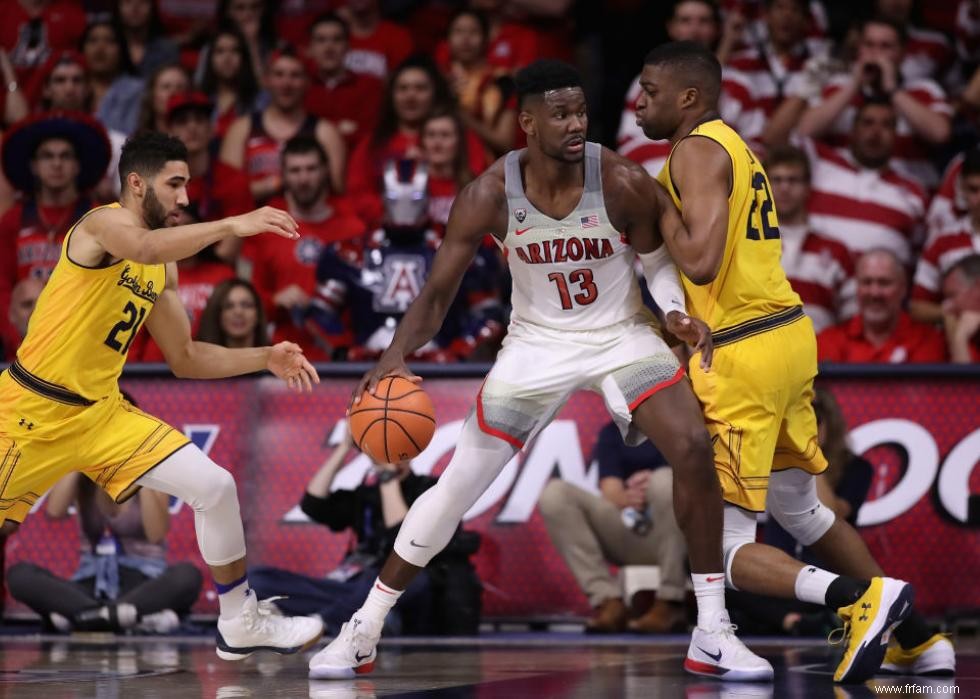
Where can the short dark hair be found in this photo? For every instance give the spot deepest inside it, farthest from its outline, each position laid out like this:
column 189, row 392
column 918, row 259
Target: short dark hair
column 968, row 266
column 694, row 62
column 543, row 75
column 971, row 162
column 301, row 145
column 331, row 18
column 788, row 155
column 55, row 137
column 875, row 100
column 147, row 152
column 480, row 17
column 899, row 27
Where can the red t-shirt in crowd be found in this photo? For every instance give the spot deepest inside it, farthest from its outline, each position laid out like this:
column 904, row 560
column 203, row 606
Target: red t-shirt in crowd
column 514, row 47
column 195, row 284
column 911, row 342
column 352, row 103
column 277, row 263
column 62, row 24
column 379, row 53
column 442, row 194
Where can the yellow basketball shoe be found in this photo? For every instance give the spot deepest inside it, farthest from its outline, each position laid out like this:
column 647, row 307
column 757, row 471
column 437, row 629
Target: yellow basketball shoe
column 868, row 624
column 934, row 657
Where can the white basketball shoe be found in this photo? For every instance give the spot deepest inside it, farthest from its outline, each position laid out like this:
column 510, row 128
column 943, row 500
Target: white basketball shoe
column 718, row 652
column 351, row 653
column 261, row 626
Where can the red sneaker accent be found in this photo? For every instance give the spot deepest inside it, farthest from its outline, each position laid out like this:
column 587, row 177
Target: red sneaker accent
column 364, row 669
column 700, row 668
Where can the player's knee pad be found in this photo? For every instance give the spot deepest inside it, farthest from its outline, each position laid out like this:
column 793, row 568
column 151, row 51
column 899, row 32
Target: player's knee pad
column 217, row 486
column 793, row 502
column 738, row 530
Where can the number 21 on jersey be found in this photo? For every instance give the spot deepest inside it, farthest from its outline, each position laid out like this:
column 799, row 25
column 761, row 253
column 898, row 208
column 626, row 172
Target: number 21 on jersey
column 121, row 335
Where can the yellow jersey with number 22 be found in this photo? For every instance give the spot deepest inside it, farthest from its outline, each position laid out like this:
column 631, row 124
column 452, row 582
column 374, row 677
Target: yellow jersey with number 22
column 751, row 283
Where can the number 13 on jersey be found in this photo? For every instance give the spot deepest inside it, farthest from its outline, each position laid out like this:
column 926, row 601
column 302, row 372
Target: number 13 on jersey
column 587, row 293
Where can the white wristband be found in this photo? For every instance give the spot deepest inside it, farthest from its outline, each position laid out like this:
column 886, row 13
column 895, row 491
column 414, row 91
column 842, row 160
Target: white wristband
column 663, row 281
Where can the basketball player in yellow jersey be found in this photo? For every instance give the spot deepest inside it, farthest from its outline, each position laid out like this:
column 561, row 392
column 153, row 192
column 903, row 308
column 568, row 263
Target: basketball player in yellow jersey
column 60, row 406
column 757, row 396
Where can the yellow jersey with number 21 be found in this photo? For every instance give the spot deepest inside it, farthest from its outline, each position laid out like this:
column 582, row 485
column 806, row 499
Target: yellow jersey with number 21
column 751, row 283
column 85, row 321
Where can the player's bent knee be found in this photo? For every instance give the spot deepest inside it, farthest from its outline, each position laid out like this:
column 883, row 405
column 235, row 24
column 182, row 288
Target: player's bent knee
column 806, row 526
column 217, row 486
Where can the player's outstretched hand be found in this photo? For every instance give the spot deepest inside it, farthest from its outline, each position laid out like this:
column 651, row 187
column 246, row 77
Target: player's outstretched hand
column 388, row 365
column 694, row 332
column 286, row 361
column 265, row 220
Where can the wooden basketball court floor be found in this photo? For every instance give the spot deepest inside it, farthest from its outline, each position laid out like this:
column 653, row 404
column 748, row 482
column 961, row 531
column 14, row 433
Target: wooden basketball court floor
column 495, row 665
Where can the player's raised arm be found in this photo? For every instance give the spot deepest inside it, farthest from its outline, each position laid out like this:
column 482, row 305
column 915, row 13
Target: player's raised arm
column 189, row 359
column 479, row 209
column 701, row 171
column 118, row 232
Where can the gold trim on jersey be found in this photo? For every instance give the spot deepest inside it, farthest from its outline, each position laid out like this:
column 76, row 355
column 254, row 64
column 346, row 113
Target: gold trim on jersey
column 46, row 389
column 96, row 268
column 748, row 328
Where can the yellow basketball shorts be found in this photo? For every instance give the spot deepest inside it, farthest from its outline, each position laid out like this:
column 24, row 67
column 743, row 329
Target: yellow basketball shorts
column 757, row 401
column 43, row 439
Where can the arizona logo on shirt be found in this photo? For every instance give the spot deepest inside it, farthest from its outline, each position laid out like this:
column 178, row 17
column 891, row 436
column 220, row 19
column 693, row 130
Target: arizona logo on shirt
column 402, row 280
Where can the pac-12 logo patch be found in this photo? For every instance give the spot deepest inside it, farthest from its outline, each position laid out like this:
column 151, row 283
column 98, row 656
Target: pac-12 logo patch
column 520, row 215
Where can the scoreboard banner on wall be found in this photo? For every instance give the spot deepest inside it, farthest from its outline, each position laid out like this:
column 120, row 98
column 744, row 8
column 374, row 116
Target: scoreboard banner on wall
column 922, row 519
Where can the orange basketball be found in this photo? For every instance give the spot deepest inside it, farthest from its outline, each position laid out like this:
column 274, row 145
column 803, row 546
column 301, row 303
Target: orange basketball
column 394, row 423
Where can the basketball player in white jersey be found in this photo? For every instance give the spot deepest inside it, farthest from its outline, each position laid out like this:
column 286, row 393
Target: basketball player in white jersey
column 571, row 218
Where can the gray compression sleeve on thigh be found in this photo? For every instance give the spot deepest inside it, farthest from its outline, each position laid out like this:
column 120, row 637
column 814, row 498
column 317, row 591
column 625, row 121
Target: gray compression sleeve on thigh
column 433, row 518
column 210, row 490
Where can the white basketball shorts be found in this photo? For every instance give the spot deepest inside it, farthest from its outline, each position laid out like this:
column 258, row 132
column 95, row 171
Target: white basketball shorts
column 538, row 368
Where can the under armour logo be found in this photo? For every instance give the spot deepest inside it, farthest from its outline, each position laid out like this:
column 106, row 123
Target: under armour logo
column 24, row 423
column 811, row 569
column 866, row 606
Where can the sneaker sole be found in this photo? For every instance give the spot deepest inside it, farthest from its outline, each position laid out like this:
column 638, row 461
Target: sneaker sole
column 226, row 652
column 867, row 660
column 696, row 667
column 322, row 672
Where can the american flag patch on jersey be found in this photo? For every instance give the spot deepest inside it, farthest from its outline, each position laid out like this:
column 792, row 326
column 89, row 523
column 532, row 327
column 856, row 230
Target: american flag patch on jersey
column 591, row 221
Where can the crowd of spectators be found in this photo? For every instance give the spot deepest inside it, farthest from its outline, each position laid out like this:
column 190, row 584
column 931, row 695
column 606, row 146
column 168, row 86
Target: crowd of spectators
column 365, row 119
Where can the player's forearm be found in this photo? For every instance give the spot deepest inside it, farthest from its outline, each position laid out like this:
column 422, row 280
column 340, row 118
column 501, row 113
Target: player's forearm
column 173, row 244
column 929, row 125
column 421, row 323
column 203, row 360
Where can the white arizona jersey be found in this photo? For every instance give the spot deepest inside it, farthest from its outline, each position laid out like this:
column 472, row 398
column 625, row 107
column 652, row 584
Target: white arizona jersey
column 573, row 274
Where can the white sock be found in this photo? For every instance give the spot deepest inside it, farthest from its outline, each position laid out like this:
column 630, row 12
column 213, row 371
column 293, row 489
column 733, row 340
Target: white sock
column 709, row 588
column 379, row 601
column 812, row 583
column 231, row 598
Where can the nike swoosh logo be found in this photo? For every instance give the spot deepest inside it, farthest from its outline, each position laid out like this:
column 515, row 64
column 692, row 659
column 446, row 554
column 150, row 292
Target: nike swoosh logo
column 715, row 579
column 358, row 657
column 421, row 546
column 522, row 231
column 714, row 656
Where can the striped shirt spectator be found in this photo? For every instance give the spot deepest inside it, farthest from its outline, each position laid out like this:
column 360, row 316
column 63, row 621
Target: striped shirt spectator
column 947, row 247
column 858, row 199
column 968, row 32
column 923, row 113
column 948, row 204
column 756, row 78
column 819, row 269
